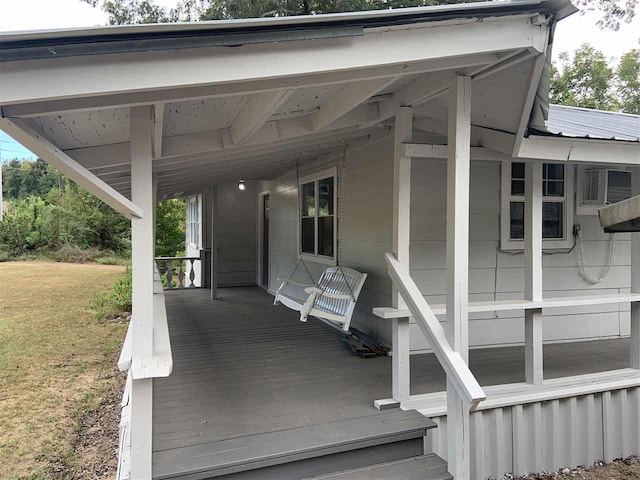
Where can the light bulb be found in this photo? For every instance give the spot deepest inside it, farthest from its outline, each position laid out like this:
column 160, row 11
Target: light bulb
column 241, row 185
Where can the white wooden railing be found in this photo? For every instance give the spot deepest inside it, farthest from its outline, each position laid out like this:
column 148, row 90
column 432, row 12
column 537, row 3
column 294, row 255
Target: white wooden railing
column 458, row 372
column 178, row 273
column 159, row 365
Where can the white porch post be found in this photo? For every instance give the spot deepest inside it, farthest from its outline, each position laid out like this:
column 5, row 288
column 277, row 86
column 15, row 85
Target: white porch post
column 457, row 326
column 635, row 280
column 533, row 271
column 401, row 230
column 142, row 253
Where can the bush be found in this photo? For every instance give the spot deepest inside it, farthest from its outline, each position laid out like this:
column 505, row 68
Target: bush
column 110, row 259
column 74, row 254
column 113, row 304
column 4, row 257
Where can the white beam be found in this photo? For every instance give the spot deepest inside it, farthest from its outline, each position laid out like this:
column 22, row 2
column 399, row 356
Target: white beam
column 431, row 151
column 563, row 149
column 457, row 323
column 533, row 271
column 21, row 131
column 401, row 367
column 529, row 99
column 158, row 129
column 635, row 280
column 256, row 112
column 348, row 98
column 155, row 76
column 142, row 268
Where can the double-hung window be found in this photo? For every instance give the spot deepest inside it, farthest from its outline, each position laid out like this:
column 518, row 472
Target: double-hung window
column 318, row 216
column 193, row 221
column 557, row 205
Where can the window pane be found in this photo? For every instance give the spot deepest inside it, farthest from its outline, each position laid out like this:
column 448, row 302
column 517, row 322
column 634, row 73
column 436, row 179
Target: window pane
column 325, row 236
column 308, row 235
column 553, row 188
column 308, row 200
column 553, row 171
column 517, row 187
column 517, row 170
column 619, row 186
column 552, row 219
column 517, row 220
column 325, row 196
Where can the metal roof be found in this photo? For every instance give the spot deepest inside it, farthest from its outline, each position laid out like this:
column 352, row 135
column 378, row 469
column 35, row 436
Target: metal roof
column 112, row 39
column 585, row 122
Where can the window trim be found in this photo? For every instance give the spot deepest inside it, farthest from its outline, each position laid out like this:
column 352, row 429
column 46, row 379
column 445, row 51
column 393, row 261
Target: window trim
column 315, row 177
column 194, row 225
column 505, row 210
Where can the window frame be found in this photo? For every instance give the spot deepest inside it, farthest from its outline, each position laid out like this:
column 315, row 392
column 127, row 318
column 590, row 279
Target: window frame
column 315, row 178
column 506, row 243
column 194, row 224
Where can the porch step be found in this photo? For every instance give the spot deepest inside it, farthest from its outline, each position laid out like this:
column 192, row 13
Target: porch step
column 300, row 453
column 424, row 467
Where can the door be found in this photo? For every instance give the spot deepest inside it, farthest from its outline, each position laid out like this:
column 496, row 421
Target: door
column 265, row 240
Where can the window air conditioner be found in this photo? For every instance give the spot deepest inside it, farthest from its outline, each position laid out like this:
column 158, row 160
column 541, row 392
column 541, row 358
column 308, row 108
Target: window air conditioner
column 604, row 186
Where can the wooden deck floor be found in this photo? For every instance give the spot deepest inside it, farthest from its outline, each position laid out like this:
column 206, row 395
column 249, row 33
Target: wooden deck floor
column 243, row 366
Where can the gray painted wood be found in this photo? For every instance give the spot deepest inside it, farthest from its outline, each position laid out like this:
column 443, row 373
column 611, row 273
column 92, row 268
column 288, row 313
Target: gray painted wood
column 244, row 367
column 424, row 467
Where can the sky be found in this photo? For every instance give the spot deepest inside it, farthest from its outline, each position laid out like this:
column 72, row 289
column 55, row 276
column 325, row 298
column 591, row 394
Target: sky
column 18, row 15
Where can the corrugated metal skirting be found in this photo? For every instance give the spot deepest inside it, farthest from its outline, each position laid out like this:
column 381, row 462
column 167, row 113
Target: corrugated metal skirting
column 547, row 436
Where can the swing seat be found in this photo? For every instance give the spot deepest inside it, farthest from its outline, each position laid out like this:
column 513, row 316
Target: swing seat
column 332, row 300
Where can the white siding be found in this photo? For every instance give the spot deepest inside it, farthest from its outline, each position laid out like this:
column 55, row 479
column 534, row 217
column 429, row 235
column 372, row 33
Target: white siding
column 236, row 234
column 367, row 228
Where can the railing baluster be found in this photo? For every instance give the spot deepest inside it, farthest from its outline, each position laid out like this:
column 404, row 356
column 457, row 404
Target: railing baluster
column 192, row 274
column 180, row 275
column 169, row 274
column 183, row 278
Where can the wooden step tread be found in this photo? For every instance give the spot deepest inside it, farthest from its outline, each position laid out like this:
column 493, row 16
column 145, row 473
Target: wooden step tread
column 424, row 467
column 275, row 448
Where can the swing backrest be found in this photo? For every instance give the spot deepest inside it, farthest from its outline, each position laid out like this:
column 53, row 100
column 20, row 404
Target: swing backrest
column 342, row 281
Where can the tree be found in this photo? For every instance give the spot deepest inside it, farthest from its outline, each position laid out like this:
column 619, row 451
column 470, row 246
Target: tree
column 171, row 217
column 613, row 11
column 628, row 74
column 144, row 11
column 584, row 80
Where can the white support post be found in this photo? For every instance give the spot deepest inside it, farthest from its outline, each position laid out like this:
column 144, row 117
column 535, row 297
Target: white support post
column 214, row 246
column 457, row 326
column 635, row 281
column 533, row 272
column 142, row 294
column 401, row 240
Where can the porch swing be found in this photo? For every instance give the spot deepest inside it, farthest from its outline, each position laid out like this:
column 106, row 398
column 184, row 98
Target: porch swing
column 333, row 298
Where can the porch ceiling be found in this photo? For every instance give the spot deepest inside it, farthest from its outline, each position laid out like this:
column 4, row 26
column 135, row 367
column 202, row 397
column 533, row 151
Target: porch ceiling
column 217, row 120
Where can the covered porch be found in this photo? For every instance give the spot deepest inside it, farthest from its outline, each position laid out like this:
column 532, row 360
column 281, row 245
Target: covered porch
column 244, row 368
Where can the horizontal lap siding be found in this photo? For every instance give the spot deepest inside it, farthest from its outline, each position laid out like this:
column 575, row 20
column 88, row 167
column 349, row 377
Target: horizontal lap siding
column 366, row 234
column 236, row 234
column 495, row 275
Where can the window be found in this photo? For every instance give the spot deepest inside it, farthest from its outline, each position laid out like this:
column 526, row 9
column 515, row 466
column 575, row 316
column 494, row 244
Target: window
column 557, row 205
column 318, row 216
column 193, row 221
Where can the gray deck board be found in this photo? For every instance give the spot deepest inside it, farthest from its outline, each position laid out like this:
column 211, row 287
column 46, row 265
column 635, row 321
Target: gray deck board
column 423, row 467
column 245, row 367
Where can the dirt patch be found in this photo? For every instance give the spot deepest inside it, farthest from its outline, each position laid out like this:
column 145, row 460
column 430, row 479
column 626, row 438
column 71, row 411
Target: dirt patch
column 620, row 469
column 95, row 446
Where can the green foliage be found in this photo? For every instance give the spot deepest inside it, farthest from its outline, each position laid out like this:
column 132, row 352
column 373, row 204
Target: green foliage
column 629, row 81
column 613, row 11
column 105, row 306
column 171, row 217
column 586, row 79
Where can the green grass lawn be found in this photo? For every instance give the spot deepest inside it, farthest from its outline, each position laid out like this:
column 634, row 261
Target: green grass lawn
column 53, row 355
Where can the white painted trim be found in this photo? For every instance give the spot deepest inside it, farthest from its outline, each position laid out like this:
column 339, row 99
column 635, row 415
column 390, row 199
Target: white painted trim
column 505, row 208
column 260, row 230
column 256, row 112
column 315, row 177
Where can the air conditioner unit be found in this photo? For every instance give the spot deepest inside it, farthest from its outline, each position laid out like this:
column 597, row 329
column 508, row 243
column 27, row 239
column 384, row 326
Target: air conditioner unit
column 605, row 186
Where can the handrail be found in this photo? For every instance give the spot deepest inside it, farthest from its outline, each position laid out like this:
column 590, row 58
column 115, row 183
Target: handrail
column 455, row 367
column 181, row 278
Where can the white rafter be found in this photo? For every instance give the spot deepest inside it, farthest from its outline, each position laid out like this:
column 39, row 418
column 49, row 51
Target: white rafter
column 256, row 112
